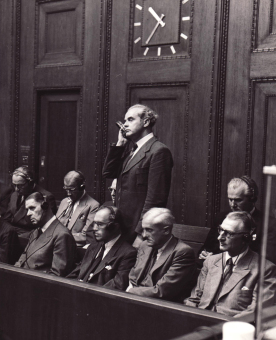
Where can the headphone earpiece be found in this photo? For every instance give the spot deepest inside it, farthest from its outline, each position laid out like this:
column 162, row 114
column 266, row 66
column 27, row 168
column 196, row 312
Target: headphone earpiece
column 44, row 204
column 82, row 186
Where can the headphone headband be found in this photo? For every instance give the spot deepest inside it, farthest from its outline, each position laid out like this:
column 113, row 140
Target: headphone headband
column 251, row 185
column 44, row 204
column 82, row 178
column 22, row 174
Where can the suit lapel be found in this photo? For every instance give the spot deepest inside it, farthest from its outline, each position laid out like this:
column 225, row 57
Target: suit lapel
column 90, row 256
column 13, row 202
column 43, row 239
column 78, row 211
column 143, row 257
column 165, row 254
column 109, row 256
column 21, row 213
column 241, row 270
column 216, row 275
column 139, row 155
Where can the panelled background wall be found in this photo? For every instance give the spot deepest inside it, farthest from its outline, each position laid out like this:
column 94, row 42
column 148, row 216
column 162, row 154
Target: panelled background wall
column 70, row 68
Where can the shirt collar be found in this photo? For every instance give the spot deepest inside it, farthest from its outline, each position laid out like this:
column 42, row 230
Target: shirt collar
column 78, row 201
column 111, row 243
column 143, row 140
column 237, row 258
column 47, row 225
column 160, row 250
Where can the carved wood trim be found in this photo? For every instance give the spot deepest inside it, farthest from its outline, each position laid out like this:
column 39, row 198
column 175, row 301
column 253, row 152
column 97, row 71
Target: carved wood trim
column 185, row 155
column 36, row 37
column 102, row 97
column 220, row 107
column 13, row 161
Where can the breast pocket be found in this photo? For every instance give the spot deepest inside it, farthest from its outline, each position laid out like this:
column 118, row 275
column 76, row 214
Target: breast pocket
column 142, row 175
column 244, row 298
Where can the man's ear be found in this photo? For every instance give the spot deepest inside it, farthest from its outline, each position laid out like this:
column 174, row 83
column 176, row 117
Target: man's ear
column 166, row 230
column 146, row 122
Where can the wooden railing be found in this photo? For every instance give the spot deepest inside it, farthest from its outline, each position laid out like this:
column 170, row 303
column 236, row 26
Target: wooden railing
column 39, row 306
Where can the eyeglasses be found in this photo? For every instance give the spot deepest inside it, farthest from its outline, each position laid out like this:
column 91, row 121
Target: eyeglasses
column 228, row 234
column 19, row 186
column 70, row 189
column 111, row 189
column 100, row 225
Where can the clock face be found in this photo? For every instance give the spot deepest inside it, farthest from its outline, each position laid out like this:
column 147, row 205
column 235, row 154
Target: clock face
column 161, row 28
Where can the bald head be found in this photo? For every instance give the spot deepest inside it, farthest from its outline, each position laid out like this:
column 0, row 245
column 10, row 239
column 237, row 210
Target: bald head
column 74, row 184
column 157, row 226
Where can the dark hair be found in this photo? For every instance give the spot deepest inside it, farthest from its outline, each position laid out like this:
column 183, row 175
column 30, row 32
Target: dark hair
column 115, row 216
column 37, row 196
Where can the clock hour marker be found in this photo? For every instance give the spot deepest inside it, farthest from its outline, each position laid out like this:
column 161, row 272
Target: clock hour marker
column 159, row 51
column 183, row 36
column 185, row 18
column 137, row 24
column 183, row 2
column 146, row 51
column 173, row 50
column 139, row 7
column 136, row 41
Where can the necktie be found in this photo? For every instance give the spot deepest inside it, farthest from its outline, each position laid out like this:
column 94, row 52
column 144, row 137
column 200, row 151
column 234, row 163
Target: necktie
column 135, row 146
column 96, row 262
column 65, row 217
column 225, row 276
column 19, row 201
column 39, row 232
column 150, row 264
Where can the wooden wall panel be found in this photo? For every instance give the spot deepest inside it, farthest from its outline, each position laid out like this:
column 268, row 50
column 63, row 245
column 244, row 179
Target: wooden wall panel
column 8, row 88
column 171, row 103
column 235, row 141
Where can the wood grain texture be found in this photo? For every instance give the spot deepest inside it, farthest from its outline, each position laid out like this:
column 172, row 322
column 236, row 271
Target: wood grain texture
column 71, row 310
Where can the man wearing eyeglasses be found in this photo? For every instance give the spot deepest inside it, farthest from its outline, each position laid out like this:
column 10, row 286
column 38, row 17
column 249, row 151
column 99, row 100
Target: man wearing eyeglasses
column 107, row 262
column 77, row 211
column 227, row 283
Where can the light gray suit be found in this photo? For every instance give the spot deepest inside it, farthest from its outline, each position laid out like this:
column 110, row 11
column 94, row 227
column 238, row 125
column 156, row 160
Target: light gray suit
column 82, row 217
column 239, row 294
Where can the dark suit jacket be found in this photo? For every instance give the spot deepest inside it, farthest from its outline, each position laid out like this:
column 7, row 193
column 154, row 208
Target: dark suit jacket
column 172, row 276
column 18, row 218
column 52, row 252
column 234, row 299
column 9, row 243
column 212, row 244
column 143, row 184
column 113, row 270
column 81, row 219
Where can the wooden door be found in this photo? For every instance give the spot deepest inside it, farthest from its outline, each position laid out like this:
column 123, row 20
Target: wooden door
column 60, row 76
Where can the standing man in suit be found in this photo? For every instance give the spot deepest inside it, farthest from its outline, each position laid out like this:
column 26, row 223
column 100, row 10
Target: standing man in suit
column 165, row 266
column 144, row 174
column 77, row 211
column 242, row 195
column 51, row 247
column 16, row 213
column 228, row 281
column 107, row 262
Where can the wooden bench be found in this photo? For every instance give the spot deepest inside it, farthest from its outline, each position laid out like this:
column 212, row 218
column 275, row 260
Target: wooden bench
column 193, row 236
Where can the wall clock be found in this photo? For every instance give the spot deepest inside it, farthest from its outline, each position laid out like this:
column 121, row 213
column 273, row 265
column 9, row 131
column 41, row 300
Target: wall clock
column 160, row 28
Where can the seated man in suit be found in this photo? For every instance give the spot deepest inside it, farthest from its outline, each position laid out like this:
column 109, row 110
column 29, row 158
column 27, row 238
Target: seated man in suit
column 242, row 196
column 89, row 232
column 144, row 174
column 16, row 213
column 77, row 211
column 51, row 247
column 165, row 266
column 108, row 262
column 228, row 281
